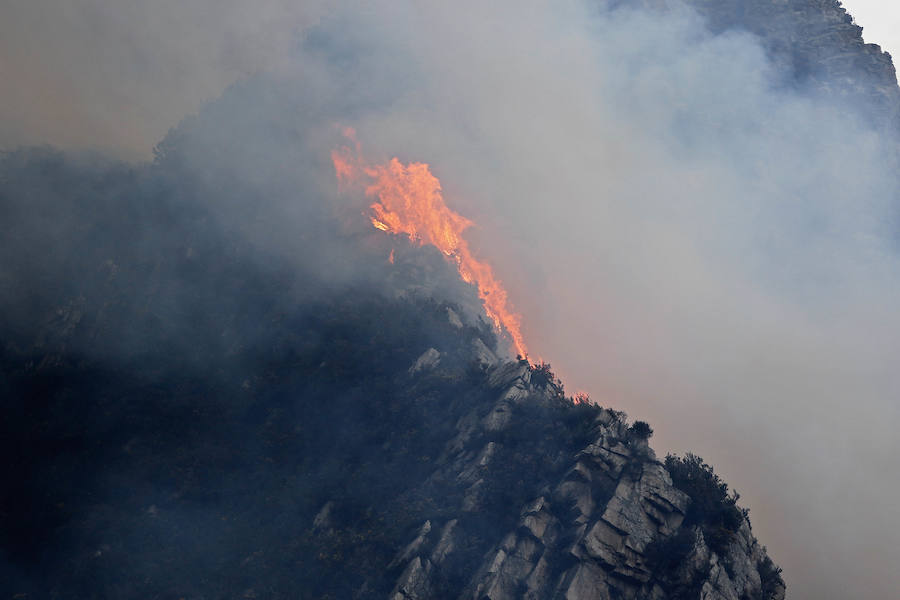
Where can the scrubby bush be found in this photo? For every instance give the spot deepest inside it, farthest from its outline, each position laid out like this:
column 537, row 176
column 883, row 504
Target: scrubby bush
column 770, row 579
column 712, row 506
column 641, row 429
column 665, row 554
column 542, row 376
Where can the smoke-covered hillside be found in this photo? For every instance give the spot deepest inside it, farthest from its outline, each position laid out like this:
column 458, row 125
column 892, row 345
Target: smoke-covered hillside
column 189, row 414
column 219, row 380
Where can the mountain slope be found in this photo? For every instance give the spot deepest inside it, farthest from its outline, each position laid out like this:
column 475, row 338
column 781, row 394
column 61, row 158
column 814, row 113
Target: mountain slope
column 605, row 521
column 190, row 415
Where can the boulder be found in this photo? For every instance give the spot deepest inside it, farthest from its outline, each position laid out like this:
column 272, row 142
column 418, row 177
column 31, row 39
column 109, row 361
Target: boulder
column 427, row 361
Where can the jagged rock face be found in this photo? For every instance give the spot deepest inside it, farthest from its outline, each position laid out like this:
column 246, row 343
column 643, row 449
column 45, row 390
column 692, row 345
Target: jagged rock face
column 813, row 43
column 595, row 530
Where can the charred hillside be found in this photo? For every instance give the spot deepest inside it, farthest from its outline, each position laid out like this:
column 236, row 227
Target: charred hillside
column 185, row 419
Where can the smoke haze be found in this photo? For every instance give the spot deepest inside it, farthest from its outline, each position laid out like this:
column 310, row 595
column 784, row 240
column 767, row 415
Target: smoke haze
column 689, row 236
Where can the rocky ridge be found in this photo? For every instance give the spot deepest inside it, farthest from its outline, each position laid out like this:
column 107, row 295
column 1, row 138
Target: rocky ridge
column 606, row 527
column 814, row 44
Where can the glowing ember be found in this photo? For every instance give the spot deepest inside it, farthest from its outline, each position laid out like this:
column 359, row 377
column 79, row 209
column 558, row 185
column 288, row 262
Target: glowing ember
column 409, row 202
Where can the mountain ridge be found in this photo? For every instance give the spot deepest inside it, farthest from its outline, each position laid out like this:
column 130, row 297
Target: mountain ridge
column 604, row 529
column 813, row 44
column 192, row 422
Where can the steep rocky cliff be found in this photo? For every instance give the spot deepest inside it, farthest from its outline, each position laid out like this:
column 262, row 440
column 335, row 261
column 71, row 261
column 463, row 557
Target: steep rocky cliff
column 814, row 44
column 605, row 522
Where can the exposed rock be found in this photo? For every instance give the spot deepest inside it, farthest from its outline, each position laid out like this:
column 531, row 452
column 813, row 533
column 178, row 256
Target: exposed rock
column 414, row 546
column 499, row 418
column 483, row 354
column 414, row 583
column 587, row 583
column 474, row 468
column 815, row 43
column 427, row 361
column 538, row 579
column 718, row 585
column 538, row 524
column 446, row 544
column 507, row 374
column 473, row 498
column 515, row 393
column 578, row 495
column 742, row 557
column 453, row 318
column 323, row 517
column 594, row 533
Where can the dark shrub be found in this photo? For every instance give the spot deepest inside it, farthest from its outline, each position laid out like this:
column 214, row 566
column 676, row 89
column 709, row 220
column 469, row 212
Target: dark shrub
column 712, row 507
column 770, row 579
column 542, row 376
column 641, row 429
column 666, row 554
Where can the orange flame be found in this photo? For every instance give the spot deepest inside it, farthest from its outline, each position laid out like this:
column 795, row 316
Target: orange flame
column 409, row 201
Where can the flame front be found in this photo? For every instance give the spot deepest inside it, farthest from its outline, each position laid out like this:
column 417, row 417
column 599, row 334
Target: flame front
column 409, row 201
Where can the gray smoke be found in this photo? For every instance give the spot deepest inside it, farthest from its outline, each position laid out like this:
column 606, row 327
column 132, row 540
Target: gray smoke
column 689, row 237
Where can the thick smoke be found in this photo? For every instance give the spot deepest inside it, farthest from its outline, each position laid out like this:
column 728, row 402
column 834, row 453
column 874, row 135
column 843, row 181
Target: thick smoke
column 689, row 236
column 117, row 75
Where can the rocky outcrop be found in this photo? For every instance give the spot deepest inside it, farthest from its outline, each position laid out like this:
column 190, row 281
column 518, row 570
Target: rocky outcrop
column 428, row 360
column 816, row 44
column 610, row 525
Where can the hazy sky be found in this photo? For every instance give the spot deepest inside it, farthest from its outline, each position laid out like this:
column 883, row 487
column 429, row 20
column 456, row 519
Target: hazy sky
column 115, row 75
column 144, row 65
column 684, row 241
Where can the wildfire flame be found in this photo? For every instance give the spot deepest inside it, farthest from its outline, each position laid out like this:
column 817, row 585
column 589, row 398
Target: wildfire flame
column 409, row 201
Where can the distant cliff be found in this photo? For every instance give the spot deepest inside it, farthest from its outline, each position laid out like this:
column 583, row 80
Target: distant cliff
column 813, row 43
